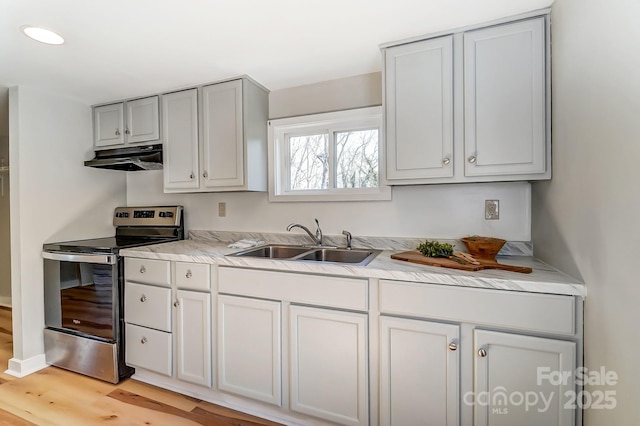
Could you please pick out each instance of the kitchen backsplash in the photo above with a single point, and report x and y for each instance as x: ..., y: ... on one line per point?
x: 511, y: 248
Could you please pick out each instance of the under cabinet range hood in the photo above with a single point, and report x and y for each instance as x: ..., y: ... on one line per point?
x: 148, y: 157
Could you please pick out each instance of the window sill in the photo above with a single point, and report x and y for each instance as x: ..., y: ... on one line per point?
x: 374, y: 194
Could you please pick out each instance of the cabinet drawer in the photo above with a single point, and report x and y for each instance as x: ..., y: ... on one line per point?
x: 147, y: 306
x: 543, y: 313
x: 147, y: 271
x: 148, y: 348
x: 193, y: 276
x: 329, y: 291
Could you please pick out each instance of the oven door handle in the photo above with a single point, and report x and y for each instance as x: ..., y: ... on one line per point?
x: 102, y: 259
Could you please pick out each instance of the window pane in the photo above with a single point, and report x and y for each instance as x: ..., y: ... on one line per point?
x: 308, y: 159
x: 357, y: 159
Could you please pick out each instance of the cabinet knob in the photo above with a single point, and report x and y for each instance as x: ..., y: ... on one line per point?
x: 482, y: 353
x: 453, y: 347
x: 143, y: 269
x: 127, y: 132
x: 117, y: 132
x: 143, y: 340
x: 176, y: 303
x: 446, y: 161
x: 143, y: 298
x: 191, y: 176
x: 189, y: 274
x: 472, y: 159
x: 205, y: 174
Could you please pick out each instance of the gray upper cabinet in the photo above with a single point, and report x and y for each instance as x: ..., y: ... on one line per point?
x: 108, y: 125
x: 143, y: 120
x: 419, y: 109
x: 216, y: 138
x: 223, y: 161
x: 504, y: 91
x: 180, y: 145
x: 472, y: 106
x: 140, y: 125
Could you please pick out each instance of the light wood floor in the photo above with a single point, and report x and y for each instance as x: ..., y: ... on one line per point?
x: 58, y: 397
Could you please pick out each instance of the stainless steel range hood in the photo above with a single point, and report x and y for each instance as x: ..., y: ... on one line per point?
x: 130, y: 159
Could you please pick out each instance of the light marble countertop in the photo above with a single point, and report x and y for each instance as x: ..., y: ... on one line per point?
x: 543, y: 279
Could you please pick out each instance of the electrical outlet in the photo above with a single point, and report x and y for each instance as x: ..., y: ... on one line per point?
x: 222, y: 209
x: 492, y: 209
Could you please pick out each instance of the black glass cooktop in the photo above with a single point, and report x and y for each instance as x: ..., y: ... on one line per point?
x: 104, y: 245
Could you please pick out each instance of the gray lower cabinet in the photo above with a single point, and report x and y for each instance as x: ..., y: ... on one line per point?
x: 168, y: 320
x: 322, y: 349
x: 419, y: 372
x: 328, y: 354
x: 512, y: 384
x: 462, y: 356
x: 249, y: 348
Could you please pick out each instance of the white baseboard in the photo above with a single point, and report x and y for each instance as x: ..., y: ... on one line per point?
x: 5, y: 301
x: 24, y: 367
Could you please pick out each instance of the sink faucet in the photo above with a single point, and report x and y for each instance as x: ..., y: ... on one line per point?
x: 348, y: 235
x: 317, y: 239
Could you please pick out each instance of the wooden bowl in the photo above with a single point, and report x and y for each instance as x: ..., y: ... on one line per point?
x: 483, y: 247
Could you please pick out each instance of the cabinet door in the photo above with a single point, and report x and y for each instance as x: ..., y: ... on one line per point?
x: 504, y: 95
x: 194, y: 337
x: 419, y: 372
x: 511, y: 387
x: 143, y: 121
x: 180, y: 131
x: 249, y: 348
x: 419, y: 109
x: 108, y: 125
x: 328, y: 354
x: 223, y: 147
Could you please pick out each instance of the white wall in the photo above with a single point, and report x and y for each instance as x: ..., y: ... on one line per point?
x: 585, y: 221
x: 435, y: 211
x: 5, y: 243
x: 53, y: 198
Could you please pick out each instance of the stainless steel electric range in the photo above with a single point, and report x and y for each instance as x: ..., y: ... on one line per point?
x: 84, y: 292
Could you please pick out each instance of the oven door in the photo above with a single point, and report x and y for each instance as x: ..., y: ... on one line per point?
x: 81, y: 294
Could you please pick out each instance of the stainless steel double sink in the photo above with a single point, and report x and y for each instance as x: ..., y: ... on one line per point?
x: 357, y: 257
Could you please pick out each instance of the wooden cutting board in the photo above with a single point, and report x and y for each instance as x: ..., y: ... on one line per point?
x: 415, y: 256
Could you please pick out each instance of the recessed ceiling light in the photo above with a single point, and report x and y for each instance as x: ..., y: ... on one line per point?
x: 42, y: 35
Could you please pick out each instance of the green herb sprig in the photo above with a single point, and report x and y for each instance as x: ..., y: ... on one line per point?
x: 435, y: 249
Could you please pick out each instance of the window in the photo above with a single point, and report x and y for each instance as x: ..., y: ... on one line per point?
x: 327, y: 157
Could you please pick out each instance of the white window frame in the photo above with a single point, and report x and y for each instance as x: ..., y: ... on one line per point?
x: 330, y: 122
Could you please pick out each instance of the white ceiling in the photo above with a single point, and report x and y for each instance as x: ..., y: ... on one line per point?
x: 125, y: 48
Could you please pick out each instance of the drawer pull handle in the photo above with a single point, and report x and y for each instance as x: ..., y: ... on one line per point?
x: 143, y: 269
x: 189, y: 274
x: 176, y: 303
x: 482, y: 353
x: 453, y: 346
x: 143, y: 298
x: 143, y: 340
